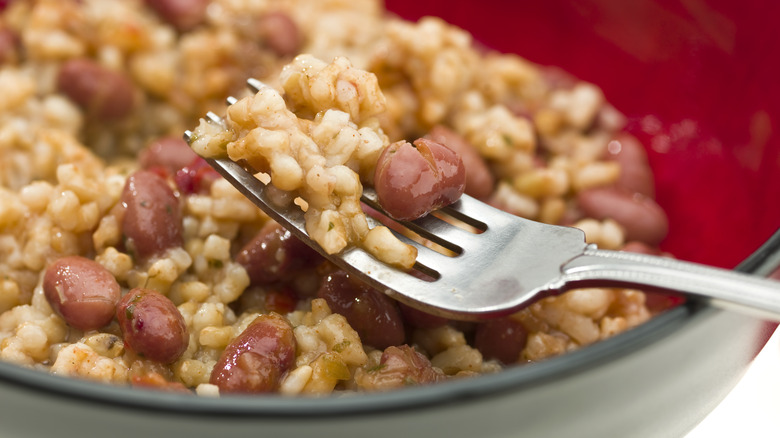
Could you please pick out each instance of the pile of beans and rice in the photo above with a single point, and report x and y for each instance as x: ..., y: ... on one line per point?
x: 124, y: 258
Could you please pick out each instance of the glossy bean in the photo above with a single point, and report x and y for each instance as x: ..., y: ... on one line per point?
x: 151, y: 325
x: 169, y: 153
x: 81, y: 291
x: 151, y: 223
x: 641, y: 218
x: 184, y: 15
x: 480, y: 182
x: 372, y: 314
x: 502, y: 339
x: 102, y: 93
x: 196, y: 177
x: 635, y: 173
x: 279, y: 33
x: 419, y: 319
x: 258, y: 358
x: 275, y: 254
x: 411, y: 181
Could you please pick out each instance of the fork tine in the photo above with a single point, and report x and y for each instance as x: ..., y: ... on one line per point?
x: 213, y: 117
x: 254, y: 84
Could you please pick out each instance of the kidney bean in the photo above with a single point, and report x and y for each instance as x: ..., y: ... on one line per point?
x: 170, y: 153
x: 281, y: 300
x: 373, y: 315
x: 184, y: 15
x: 400, y: 366
x: 279, y: 33
x: 9, y: 41
x: 103, y: 93
x: 81, y: 291
x: 480, y: 182
x: 196, y: 177
x: 641, y: 218
x: 257, y: 359
x: 420, y: 319
x: 275, y: 254
x: 151, y: 223
x: 502, y: 339
x: 635, y: 173
x: 411, y: 181
x: 151, y: 325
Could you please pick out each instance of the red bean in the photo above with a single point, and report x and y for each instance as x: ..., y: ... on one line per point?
x: 411, y: 181
x: 103, y: 93
x: 184, y: 15
x: 170, y: 153
x: 479, y: 180
x: 400, y: 366
x: 152, y: 220
x: 81, y: 291
x: 151, y: 325
x: 275, y: 254
x: 420, y: 319
x: 635, y: 173
x: 641, y: 218
x: 196, y: 177
x: 279, y: 33
x: 9, y: 42
x: 257, y: 359
x: 502, y: 339
x: 373, y: 315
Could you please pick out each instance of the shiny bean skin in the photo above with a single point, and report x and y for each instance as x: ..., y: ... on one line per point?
x: 275, y: 254
x: 152, y: 219
x: 635, y: 173
x: 103, y: 93
x: 419, y: 319
x: 81, y: 291
x: 151, y: 325
x: 184, y: 15
x: 502, y: 339
x: 372, y: 314
x: 257, y: 359
x: 169, y: 153
x: 641, y: 218
x: 280, y: 33
x: 480, y: 182
x: 411, y: 181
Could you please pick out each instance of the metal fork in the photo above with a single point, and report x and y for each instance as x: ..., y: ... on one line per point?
x: 510, y: 261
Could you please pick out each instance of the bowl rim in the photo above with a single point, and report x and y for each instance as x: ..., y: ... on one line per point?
x: 467, y: 390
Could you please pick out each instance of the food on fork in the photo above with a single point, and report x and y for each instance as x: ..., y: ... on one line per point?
x: 96, y: 182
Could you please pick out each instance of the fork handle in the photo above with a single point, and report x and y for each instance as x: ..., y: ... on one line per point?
x: 732, y: 290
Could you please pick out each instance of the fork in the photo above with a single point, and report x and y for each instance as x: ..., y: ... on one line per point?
x: 509, y: 261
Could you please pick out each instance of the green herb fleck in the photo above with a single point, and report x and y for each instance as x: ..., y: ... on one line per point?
x: 330, y: 226
x: 168, y: 209
x: 507, y: 139
x: 129, y: 311
x: 144, y: 204
x: 376, y: 368
x: 215, y: 264
x: 341, y: 346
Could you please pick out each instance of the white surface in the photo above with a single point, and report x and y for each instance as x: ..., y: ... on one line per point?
x: 752, y: 409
